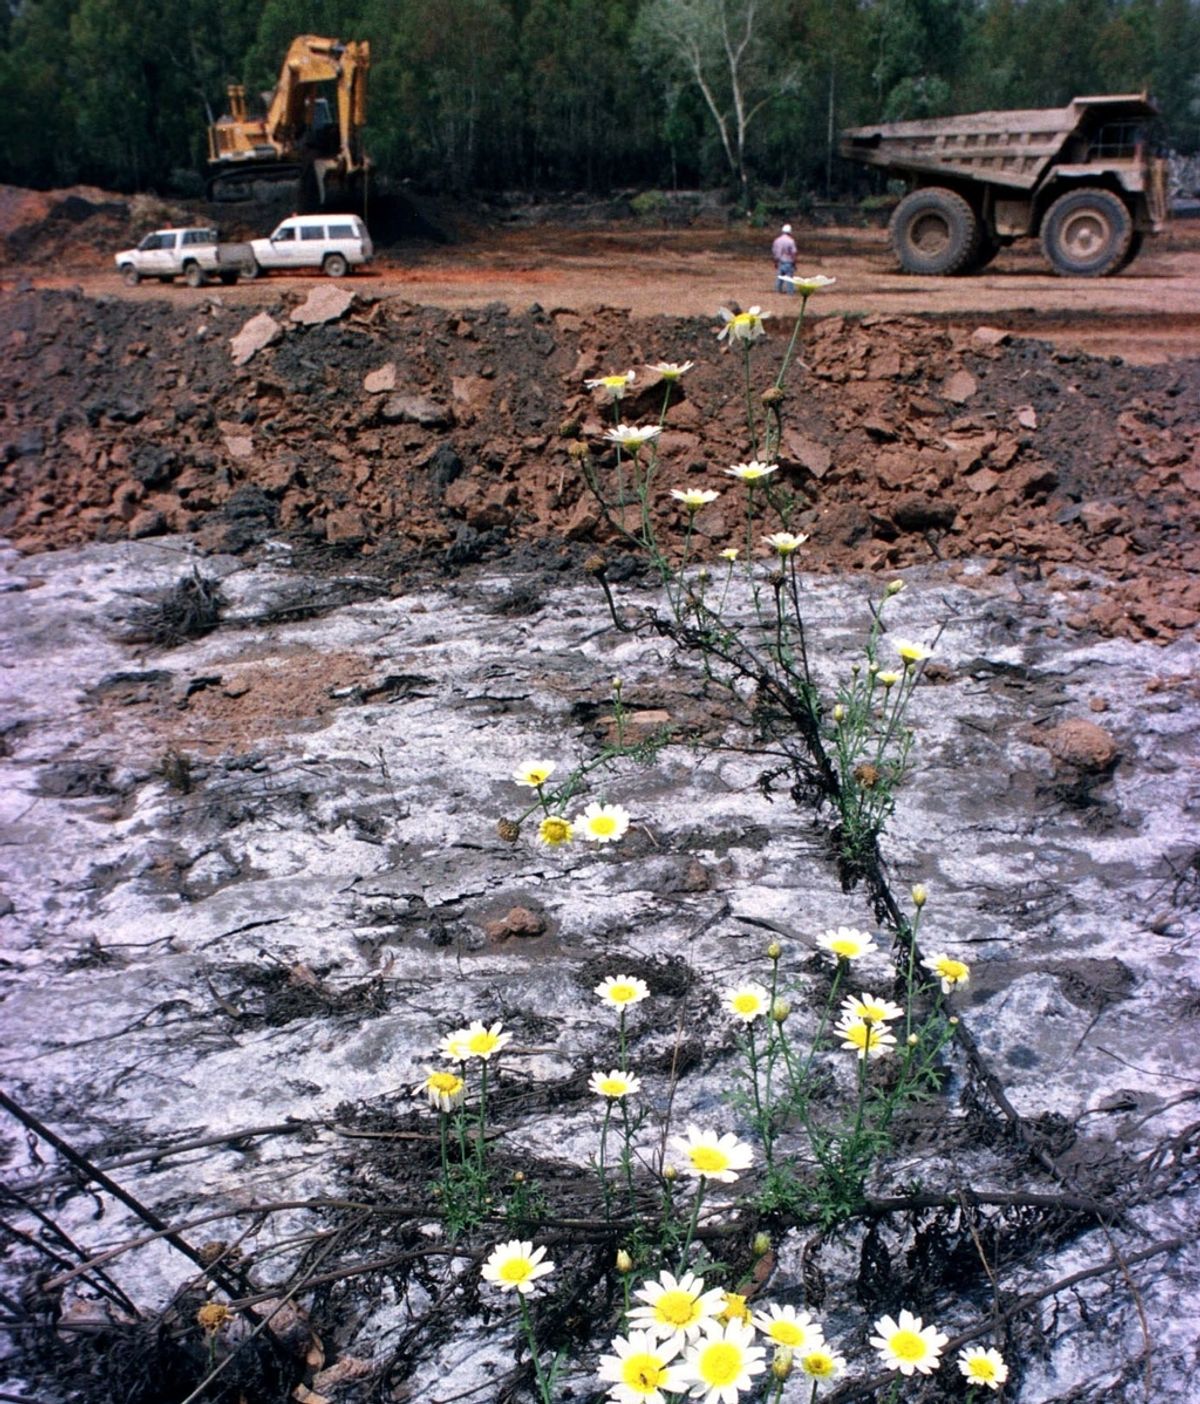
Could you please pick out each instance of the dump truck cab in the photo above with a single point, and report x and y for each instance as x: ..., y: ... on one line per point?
x: 1087, y: 179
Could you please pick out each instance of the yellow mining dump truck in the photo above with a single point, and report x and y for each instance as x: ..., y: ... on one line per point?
x: 1084, y: 178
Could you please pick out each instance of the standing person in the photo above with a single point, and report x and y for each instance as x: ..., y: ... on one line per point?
x: 783, y: 251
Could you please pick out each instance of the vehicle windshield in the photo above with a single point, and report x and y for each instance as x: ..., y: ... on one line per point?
x: 151, y: 241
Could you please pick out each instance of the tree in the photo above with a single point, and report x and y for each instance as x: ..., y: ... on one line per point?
x: 734, y: 53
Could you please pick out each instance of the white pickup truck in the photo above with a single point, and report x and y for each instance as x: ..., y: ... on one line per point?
x: 194, y: 253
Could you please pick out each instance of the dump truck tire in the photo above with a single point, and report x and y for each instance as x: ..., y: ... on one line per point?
x: 193, y: 275
x: 1135, y: 248
x: 249, y: 269
x: 1086, y: 233
x: 934, y: 231
x: 335, y: 266
x: 130, y: 276
x: 985, y: 251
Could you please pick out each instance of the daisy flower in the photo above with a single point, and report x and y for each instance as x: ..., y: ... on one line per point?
x: 822, y: 1363
x: 870, y: 1009
x: 747, y: 1001
x: 735, y: 1308
x: 889, y: 679
x: 641, y: 1369
x: 622, y: 990
x: 534, y: 773
x: 694, y: 498
x: 784, y: 543
x: 907, y: 1346
x: 723, y: 1362
x: 554, y: 830
x: 445, y: 1090
x: 786, y: 1326
x: 866, y: 1039
x: 614, y: 385
x: 711, y: 1156
x: 629, y: 437
x: 949, y: 971
x: 846, y: 943
x: 615, y: 1084
x: 676, y: 1307
x: 809, y: 284
x: 602, y: 823
x: 671, y: 370
x: 911, y: 652
x: 474, y: 1042
x: 751, y: 472
x: 742, y: 326
x: 515, y: 1266
x: 730, y: 553
x: 983, y: 1367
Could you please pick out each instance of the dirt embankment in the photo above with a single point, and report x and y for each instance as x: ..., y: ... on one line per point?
x: 400, y: 430
x: 389, y: 429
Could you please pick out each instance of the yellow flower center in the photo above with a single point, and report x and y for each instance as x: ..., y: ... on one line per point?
x: 603, y: 824
x: 555, y: 830
x: 709, y: 1160
x: 745, y: 1004
x: 907, y: 1345
x: 481, y: 1043
x: 735, y: 1308
x: 676, y: 1308
x: 818, y: 1365
x: 642, y: 1372
x: 720, y: 1363
x: 445, y: 1082
x: 952, y: 970
x: 622, y: 994
x: 612, y: 1087
x: 786, y: 1333
x: 515, y: 1270
x: 982, y: 1370
x: 848, y: 949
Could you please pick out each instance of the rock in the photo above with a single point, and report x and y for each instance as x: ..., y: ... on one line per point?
x: 1081, y: 744
x: 989, y: 336
x: 959, y: 387
x: 517, y: 921
x: 812, y: 455
x: 380, y: 381
x: 417, y: 409
x: 323, y: 304
x: 916, y: 512
x: 262, y: 330
x: 346, y: 527
x: 147, y: 523
x: 1101, y: 517
x: 1027, y: 417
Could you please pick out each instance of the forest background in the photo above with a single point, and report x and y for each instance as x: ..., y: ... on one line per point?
x: 476, y: 96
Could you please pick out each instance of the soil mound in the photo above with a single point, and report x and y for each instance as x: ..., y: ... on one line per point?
x: 379, y: 428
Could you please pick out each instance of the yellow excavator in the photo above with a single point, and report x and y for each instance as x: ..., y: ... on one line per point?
x: 311, y: 133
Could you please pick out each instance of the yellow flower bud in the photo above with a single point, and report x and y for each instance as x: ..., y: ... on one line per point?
x: 839, y: 714
x: 780, y: 1010
x: 624, y: 1262
x: 919, y: 895
x: 670, y: 1174
x: 212, y: 1316
x: 784, y: 1362
x: 894, y: 587
x: 774, y: 951
x: 913, y: 1040
x: 761, y: 1245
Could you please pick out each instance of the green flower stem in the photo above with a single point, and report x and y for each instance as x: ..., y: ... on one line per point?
x: 445, y: 1155
x: 481, y: 1147
x: 621, y: 1037
x: 783, y: 369
x: 794, y: 588
x: 695, y: 1219
x: 604, y: 1189
x: 527, y: 1322
x: 833, y: 990
x: 750, y: 402
x: 761, y: 1113
x: 910, y: 973
x: 627, y: 1159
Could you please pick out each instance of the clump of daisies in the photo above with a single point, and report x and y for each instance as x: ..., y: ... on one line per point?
x: 597, y: 822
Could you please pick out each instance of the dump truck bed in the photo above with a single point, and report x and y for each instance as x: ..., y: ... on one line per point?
x: 1011, y: 148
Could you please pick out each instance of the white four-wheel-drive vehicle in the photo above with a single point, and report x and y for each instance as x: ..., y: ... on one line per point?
x: 192, y: 253
x: 333, y: 243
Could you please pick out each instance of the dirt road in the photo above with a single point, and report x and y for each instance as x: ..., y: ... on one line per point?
x: 1148, y: 314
